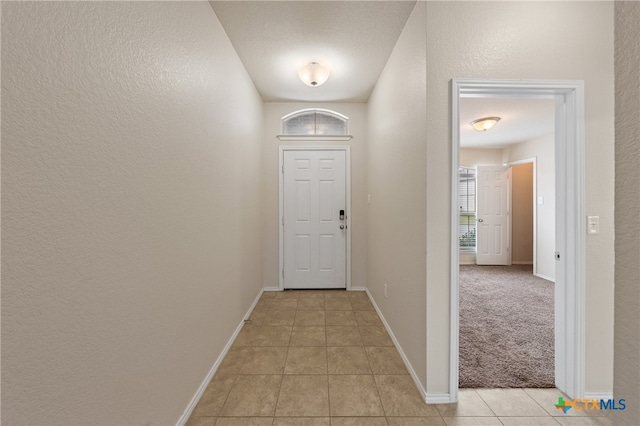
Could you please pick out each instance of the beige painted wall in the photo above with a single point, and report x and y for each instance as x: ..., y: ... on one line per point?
x: 397, y: 173
x: 522, y: 213
x: 474, y: 157
x: 273, y: 112
x: 131, y: 158
x: 627, y: 274
x: 529, y: 40
x: 543, y: 150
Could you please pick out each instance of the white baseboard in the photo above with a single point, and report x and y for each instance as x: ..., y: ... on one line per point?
x: 438, y: 398
x: 544, y: 277
x: 248, y: 314
x: 522, y: 262
x: 353, y: 288
x: 214, y: 368
x: 598, y: 395
x: 412, y: 372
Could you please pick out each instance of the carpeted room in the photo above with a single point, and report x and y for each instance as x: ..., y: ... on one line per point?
x: 506, y: 313
x: 506, y: 328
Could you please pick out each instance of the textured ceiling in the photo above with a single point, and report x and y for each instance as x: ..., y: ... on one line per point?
x: 522, y: 119
x: 274, y: 39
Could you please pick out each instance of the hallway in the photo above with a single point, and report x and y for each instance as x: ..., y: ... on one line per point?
x: 321, y: 354
x: 141, y: 206
x: 313, y: 357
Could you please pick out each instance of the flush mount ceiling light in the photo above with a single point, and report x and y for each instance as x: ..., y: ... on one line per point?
x: 313, y: 74
x: 485, y: 123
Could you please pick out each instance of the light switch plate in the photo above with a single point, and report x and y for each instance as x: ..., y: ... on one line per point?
x: 593, y: 225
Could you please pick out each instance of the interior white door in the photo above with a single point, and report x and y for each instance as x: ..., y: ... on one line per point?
x: 492, y: 216
x: 314, y: 231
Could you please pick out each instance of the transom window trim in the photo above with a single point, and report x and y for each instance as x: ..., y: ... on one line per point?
x: 315, y: 124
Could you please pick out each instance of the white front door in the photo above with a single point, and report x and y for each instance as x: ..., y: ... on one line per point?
x: 314, y: 193
x: 492, y: 216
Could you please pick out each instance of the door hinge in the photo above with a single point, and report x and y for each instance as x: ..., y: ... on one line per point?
x: 282, y: 220
x: 282, y: 273
x: 283, y: 169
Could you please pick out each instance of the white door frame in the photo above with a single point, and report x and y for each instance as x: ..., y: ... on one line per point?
x: 569, y: 143
x: 281, y: 150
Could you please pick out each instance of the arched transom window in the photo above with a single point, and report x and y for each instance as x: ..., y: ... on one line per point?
x: 316, y: 124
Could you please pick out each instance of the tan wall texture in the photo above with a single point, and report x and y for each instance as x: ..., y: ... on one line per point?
x: 130, y: 208
x: 627, y: 273
x: 522, y: 213
x: 522, y: 40
x: 543, y: 149
x: 397, y: 173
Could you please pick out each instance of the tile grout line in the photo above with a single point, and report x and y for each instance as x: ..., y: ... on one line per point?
x: 487, y: 404
x: 326, y: 352
x: 537, y: 403
x: 244, y: 361
x: 275, y: 408
x: 372, y: 376
x: 235, y: 380
x: 327, y: 375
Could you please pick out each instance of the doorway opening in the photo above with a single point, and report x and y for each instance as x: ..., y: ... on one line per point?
x: 568, y: 245
x: 506, y: 310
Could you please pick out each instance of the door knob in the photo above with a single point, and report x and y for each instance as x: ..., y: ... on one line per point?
x: 341, y: 226
x: 480, y: 220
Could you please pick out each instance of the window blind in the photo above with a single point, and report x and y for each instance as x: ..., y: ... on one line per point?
x: 467, y: 206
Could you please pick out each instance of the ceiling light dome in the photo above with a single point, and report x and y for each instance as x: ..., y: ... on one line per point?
x: 313, y: 74
x: 485, y: 123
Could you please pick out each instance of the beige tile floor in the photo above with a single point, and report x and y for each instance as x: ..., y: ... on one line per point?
x: 323, y: 358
